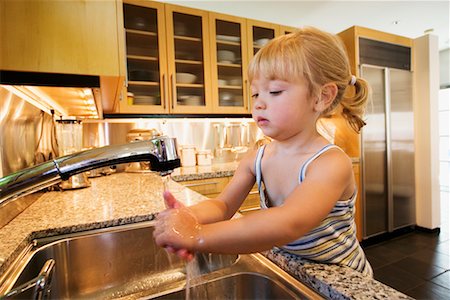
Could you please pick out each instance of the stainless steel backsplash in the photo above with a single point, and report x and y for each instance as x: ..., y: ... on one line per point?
x: 25, y: 134
x: 227, y: 138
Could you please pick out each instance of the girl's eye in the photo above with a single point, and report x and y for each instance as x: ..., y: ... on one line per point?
x: 255, y: 96
x: 276, y: 92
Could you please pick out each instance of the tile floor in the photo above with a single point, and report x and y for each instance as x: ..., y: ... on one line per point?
x: 417, y: 263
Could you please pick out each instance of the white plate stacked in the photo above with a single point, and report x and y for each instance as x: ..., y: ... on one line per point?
x: 228, y: 38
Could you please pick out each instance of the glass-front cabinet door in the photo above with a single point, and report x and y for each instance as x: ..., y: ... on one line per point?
x: 146, y: 58
x: 229, y: 64
x: 188, y: 60
x: 260, y: 33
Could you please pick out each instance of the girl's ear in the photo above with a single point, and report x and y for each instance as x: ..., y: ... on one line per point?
x: 327, y: 95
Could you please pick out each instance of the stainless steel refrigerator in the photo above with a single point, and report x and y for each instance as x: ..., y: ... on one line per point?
x: 387, y: 148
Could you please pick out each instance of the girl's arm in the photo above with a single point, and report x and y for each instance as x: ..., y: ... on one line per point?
x: 328, y: 178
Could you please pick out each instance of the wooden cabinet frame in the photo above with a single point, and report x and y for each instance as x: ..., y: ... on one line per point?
x: 174, y: 107
x: 125, y: 107
x: 246, y: 108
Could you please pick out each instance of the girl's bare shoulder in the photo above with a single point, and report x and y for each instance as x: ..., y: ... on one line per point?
x: 248, y: 161
x: 333, y: 161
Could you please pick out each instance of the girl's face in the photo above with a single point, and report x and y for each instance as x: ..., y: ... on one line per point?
x: 282, y: 109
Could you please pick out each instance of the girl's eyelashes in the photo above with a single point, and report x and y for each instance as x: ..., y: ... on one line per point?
x: 275, y: 92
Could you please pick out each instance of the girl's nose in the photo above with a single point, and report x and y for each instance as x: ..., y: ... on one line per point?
x: 258, y: 104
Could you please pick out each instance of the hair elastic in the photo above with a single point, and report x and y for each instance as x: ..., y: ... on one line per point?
x: 353, y: 80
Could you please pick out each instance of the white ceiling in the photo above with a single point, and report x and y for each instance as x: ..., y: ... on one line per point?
x: 413, y: 18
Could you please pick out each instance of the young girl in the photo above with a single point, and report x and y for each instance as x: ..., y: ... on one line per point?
x: 306, y: 185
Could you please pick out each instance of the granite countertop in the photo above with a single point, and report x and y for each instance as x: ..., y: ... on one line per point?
x: 204, y: 172
x: 125, y: 198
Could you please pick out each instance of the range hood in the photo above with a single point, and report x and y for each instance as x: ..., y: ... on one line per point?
x: 65, y: 94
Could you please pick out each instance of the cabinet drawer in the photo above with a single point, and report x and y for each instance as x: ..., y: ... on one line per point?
x: 208, y: 187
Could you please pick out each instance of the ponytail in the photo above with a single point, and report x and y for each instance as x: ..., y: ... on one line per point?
x: 353, y: 105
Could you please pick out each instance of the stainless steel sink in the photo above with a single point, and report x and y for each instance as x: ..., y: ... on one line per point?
x: 240, y: 286
x: 124, y: 262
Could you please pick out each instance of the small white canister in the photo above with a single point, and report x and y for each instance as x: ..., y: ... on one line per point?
x: 187, y: 155
x: 204, y: 157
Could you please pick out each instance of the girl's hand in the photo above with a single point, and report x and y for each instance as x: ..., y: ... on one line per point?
x: 176, y: 228
x: 171, y: 201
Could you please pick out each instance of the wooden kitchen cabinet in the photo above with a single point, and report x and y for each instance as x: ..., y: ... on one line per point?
x: 146, y: 58
x: 229, y: 61
x: 71, y: 37
x: 168, y: 59
x: 188, y: 50
x: 213, y: 49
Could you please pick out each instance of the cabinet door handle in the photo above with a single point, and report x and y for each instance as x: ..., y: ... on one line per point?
x: 164, y: 98
x: 174, y: 90
x: 253, y: 193
x: 248, y: 95
x: 200, y: 184
x: 125, y: 56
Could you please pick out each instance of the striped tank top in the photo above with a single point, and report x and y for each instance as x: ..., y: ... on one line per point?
x: 334, y: 240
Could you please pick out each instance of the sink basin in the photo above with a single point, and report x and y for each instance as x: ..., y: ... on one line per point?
x: 124, y: 262
x: 108, y: 263
x: 239, y: 286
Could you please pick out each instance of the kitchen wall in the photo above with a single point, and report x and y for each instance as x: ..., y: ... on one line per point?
x: 426, y: 135
x: 25, y: 134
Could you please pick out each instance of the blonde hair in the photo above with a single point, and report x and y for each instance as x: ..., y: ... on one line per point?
x: 319, y: 58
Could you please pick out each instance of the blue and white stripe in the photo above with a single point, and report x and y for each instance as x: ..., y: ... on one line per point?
x: 334, y: 240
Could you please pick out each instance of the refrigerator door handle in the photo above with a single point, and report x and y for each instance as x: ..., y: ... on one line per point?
x: 390, y: 196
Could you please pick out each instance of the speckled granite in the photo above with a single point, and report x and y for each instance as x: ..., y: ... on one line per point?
x: 333, y: 281
x: 125, y: 198
x: 204, y: 172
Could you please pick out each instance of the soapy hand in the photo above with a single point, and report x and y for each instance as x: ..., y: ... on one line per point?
x: 176, y: 228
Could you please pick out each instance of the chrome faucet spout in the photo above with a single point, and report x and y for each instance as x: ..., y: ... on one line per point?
x: 161, y: 152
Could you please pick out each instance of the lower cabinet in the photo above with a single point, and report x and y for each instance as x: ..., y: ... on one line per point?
x: 212, y: 187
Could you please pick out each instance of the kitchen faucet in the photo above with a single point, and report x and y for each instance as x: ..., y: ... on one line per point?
x: 160, y: 151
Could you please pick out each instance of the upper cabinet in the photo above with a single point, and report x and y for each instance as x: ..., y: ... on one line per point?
x: 145, y: 58
x: 72, y: 37
x: 229, y: 64
x: 181, y: 60
x: 260, y: 33
x: 189, y: 60
x: 167, y: 57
